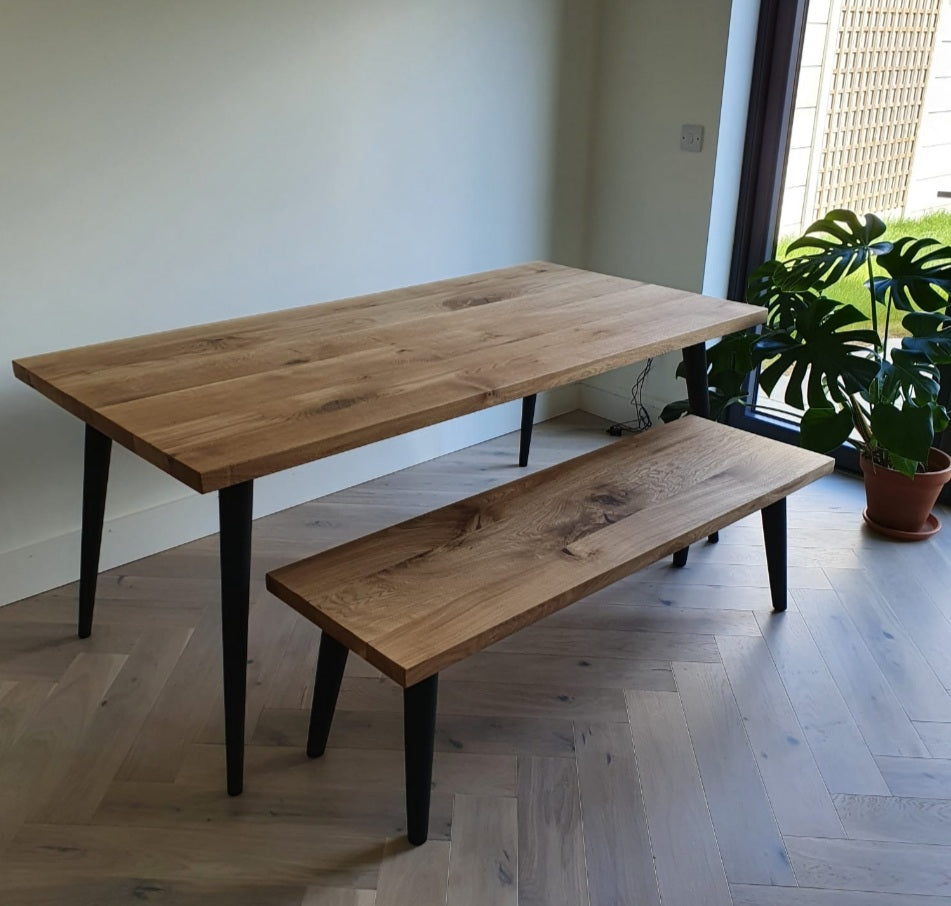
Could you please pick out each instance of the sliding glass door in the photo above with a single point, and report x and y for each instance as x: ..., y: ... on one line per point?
x: 848, y: 109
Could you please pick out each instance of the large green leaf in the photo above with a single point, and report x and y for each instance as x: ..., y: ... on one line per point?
x: 729, y: 362
x: 926, y: 323
x: 939, y: 417
x: 823, y: 429
x: 773, y: 287
x: 919, y: 275
x: 836, y: 245
x: 731, y: 359
x: 732, y: 354
x: 930, y: 336
x: 672, y: 411
x: 903, y: 464
x: 907, y: 431
x: 909, y: 374
x: 821, y: 351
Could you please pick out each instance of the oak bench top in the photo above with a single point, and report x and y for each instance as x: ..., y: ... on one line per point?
x: 416, y: 597
x: 223, y: 403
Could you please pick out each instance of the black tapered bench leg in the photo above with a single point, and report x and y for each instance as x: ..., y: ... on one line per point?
x: 234, y: 514
x: 331, y: 660
x: 774, y: 537
x: 680, y: 557
x: 419, y: 731
x: 528, y: 421
x: 98, y: 450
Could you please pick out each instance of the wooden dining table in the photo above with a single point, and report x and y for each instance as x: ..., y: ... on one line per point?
x: 219, y: 405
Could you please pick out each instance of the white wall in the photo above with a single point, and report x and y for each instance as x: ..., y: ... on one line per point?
x: 176, y: 162
x: 661, y: 64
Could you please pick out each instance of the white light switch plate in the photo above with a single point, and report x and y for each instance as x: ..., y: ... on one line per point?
x: 691, y: 137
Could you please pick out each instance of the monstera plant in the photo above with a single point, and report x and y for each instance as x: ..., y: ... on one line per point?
x: 855, y: 382
x: 843, y: 373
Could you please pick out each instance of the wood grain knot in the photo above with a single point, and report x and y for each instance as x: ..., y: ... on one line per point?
x: 461, y: 302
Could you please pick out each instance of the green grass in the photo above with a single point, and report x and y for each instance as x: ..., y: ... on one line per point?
x: 934, y: 226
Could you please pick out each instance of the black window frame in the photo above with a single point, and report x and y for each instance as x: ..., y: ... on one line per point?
x: 777, y: 56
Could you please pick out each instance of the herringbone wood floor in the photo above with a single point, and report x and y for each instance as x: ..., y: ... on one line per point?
x: 667, y: 740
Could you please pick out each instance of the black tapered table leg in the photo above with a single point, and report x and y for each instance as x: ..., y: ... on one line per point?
x: 698, y: 396
x: 331, y: 659
x: 528, y: 421
x: 695, y: 366
x: 97, y: 453
x: 774, y: 537
x: 234, y: 513
x: 419, y: 731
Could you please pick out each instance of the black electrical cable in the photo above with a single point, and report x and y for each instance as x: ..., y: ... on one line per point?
x: 642, y: 420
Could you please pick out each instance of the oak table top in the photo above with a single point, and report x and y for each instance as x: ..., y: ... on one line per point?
x: 224, y: 403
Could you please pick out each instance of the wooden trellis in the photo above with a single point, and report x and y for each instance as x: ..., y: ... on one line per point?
x: 882, y: 59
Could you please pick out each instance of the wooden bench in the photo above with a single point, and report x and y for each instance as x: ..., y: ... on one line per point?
x: 419, y: 596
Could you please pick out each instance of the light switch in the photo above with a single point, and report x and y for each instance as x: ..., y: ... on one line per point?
x: 691, y: 137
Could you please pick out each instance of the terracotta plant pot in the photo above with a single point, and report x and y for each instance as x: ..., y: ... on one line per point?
x: 899, y: 506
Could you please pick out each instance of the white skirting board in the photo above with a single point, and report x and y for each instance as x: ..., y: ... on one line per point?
x: 42, y: 565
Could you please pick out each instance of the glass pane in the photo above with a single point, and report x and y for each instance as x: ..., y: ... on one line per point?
x: 871, y: 128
